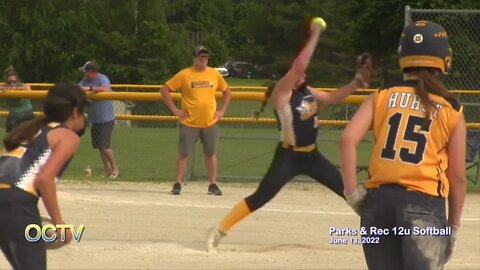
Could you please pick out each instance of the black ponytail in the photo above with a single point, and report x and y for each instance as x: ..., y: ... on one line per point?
x: 429, y: 83
x: 268, y: 94
x: 25, y: 131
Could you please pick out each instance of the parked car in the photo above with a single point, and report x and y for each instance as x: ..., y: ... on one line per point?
x: 240, y: 69
x: 223, y: 70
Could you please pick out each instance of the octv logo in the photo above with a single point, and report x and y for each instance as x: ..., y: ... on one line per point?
x: 48, y: 232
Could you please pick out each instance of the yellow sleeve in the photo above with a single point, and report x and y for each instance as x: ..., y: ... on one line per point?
x: 376, y: 96
x: 222, y: 84
x: 175, y: 83
x: 455, y: 115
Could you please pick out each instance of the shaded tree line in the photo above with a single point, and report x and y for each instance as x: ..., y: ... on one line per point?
x: 147, y: 41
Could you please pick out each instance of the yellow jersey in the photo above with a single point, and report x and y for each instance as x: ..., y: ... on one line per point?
x: 409, y: 149
x: 198, y: 89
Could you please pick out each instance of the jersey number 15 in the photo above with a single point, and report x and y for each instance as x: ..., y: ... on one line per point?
x: 389, y: 152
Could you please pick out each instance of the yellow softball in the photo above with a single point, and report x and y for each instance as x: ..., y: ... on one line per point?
x: 321, y: 22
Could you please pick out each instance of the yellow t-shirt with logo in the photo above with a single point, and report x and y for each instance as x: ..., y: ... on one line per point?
x: 198, y: 90
x: 409, y: 151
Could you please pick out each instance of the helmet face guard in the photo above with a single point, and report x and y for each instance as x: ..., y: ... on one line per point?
x: 424, y: 44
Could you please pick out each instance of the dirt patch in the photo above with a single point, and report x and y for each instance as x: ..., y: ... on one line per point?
x: 139, y: 226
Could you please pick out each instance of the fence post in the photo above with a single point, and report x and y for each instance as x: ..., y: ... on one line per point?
x: 406, y: 21
x: 407, y: 15
x: 243, y: 114
x: 346, y: 112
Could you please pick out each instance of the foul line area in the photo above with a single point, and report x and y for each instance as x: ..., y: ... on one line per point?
x: 317, y: 212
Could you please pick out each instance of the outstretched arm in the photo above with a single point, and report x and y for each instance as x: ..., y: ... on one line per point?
x: 362, y: 79
x: 282, y: 91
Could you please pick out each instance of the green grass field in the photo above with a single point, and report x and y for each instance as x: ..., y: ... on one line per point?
x: 245, y: 150
x: 246, y: 82
x: 147, y: 154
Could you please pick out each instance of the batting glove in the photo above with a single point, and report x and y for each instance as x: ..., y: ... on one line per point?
x: 355, y: 200
x: 451, y: 243
x: 55, y: 244
x: 364, y: 65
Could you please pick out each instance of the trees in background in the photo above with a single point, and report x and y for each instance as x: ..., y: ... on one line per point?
x: 146, y: 41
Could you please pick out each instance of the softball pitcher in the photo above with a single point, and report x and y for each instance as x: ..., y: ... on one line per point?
x: 36, y: 153
x: 418, y: 161
x: 297, y: 106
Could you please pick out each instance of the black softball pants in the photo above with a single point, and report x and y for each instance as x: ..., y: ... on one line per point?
x: 18, y: 209
x: 287, y: 164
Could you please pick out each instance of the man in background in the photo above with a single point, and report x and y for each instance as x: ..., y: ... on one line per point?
x: 198, y: 115
x: 102, y: 116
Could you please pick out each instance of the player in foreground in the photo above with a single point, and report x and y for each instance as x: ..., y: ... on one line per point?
x: 418, y: 159
x: 36, y: 153
x: 297, y: 106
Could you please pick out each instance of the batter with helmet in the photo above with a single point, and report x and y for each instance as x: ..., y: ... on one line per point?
x: 418, y: 161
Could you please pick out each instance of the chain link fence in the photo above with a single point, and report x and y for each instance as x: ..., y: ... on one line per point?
x: 246, y: 150
x: 463, y: 29
x: 145, y: 148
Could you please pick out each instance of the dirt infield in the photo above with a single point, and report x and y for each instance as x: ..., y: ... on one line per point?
x: 139, y: 226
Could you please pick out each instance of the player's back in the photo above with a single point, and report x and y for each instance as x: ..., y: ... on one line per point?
x: 20, y: 166
x: 410, y: 150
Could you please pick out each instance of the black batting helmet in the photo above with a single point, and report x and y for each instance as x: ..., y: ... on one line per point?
x: 424, y: 44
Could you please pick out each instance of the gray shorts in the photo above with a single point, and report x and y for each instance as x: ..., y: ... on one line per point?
x: 102, y: 134
x: 399, y: 211
x: 188, y: 136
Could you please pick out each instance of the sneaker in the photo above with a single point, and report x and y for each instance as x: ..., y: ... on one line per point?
x: 214, y: 190
x: 214, y: 236
x: 177, y: 189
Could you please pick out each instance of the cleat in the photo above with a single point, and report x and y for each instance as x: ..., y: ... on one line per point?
x: 213, y: 189
x: 177, y: 189
x: 214, y: 236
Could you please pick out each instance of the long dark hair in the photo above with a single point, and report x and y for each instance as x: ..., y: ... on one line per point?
x: 429, y: 83
x: 58, y: 106
x: 268, y: 94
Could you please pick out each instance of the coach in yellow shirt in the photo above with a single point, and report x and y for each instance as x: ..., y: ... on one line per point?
x: 198, y: 115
